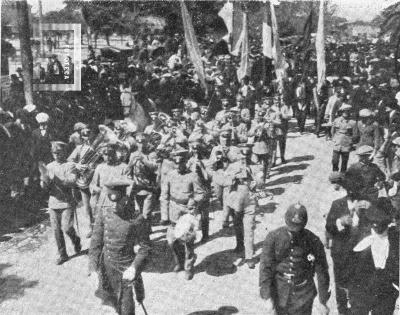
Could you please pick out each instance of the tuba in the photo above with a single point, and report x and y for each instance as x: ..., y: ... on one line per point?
x: 92, y: 155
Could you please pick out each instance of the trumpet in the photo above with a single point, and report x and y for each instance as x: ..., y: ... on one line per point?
x: 93, y: 154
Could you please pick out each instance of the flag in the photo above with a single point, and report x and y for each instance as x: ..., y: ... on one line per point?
x: 244, y: 58
x: 226, y: 13
x: 267, y: 33
x: 320, y: 47
x: 192, y: 45
x: 237, y: 28
x: 280, y: 69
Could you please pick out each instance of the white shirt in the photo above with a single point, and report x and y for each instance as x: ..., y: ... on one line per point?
x: 379, y: 247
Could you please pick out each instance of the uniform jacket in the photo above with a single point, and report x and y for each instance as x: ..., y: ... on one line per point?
x: 117, y: 230
x: 178, y: 189
x: 343, y: 133
x: 301, y: 257
x: 62, y: 178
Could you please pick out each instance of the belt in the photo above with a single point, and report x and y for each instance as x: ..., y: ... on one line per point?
x: 181, y: 202
x: 290, y: 278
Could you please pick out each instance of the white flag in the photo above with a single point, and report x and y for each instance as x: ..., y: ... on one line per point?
x: 320, y: 47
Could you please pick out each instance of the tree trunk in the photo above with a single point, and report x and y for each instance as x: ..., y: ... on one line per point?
x: 41, y: 29
x: 26, y: 52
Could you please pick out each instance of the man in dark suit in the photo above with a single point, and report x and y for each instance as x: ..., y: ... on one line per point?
x: 344, y: 220
x: 374, y: 266
x: 291, y: 255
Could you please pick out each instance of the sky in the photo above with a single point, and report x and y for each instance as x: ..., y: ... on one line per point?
x: 353, y: 10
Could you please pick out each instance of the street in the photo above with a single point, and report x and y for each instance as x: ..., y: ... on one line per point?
x: 31, y: 283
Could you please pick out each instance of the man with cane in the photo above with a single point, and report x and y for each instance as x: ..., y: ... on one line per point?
x: 118, y: 228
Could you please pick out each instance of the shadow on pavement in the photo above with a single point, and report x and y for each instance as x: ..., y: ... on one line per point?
x: 161, y: 258
x: 17, y: 214
x: 223, y: 310
x: 296, y: 179
x: 302, y: 158
x: 218, y: 264
x: 268, y: 208
x: 12, y: 286
x: 290, y: 168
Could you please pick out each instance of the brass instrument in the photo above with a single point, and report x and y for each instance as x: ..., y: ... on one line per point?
x: 92, y: 155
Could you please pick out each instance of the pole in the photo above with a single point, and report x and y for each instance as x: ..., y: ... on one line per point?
x: 26, y: 52
x: 41, y: 28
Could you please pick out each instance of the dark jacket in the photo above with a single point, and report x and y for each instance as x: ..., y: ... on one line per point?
x: 301, y: 257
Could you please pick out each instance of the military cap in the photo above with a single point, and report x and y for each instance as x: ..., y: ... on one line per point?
x: 79, y: 126
x: 203, y: 109
x: 365, y: 112
x: 176, y: 110
x: 224, y: 99
x: 58, y: 146
x: 29, y: 108
x: 179, y: 151
x: 364, y: 150
x: 296, y: 217
x: 110, y: 148
x: 345, y: 107
x: 235, y: 110
x: 225, y: 133
x: 42, y: 118
x: 153, y: 113
x: 396, y: 141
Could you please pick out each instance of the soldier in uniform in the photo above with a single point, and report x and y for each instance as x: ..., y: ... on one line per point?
x: 117, y: 230
x: 343, y: 131
x: 180, y: 194
x: 76, y: 157
x: 58, y: 179
x: 176, y: 115
x: 103, y: 173
x: 223, y: 153
x: 143, y: 171
x: 242, y: 178
x: 372, y: 178
x: 197, y: 165
x: 290, y: 256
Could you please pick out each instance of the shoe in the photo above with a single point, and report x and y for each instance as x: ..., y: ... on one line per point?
x: 60, y: 260
x: 78, y: 246
x: 188, y: 275
x: 164, y: 222
x: 251, y: 264
x: 283, y: 161
x: 177, y: 268
x: 225, y: 225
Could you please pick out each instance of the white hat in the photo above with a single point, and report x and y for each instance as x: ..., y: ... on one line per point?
x: 345, y: 107
x: 42, y: 118
x: 30, y: 108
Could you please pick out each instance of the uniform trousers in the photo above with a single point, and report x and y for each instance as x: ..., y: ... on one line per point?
x: 120, y: 291
x: 62, y: 221
x: 145, y: 203
x: 244, y: 214
x: 164, y: 203
x: 203, y: 207
x: 336, y: 159
x: 182, y: 252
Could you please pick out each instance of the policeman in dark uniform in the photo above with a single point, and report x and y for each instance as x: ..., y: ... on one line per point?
x: 117, y: 229
x: 291, y: 255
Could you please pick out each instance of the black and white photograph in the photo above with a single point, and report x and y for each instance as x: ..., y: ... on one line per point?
x: 200, y: 157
